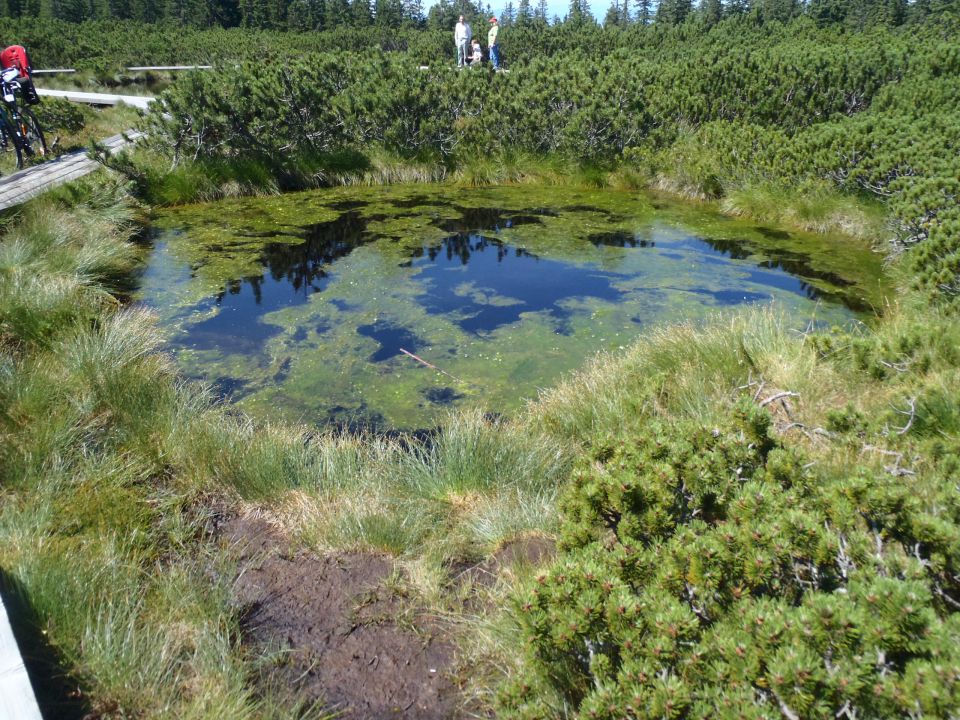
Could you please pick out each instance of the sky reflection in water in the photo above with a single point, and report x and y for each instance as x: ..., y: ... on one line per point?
x: 306, y: 320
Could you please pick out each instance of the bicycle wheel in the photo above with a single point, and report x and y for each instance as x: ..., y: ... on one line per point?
x: 12, y: 140
x: 34, y: 143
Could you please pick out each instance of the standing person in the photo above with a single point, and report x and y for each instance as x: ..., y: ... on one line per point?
x: 461, y: 36
x: 492, y: 43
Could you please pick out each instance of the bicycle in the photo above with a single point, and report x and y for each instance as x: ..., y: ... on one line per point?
x: 19, y: 127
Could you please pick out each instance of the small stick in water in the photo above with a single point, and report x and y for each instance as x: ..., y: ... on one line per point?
x: 424, y: 362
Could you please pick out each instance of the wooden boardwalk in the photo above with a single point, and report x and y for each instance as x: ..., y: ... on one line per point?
x: 138, y: 101
x: 17, y: 701
x: 32, y: 181
x: 132, y: 68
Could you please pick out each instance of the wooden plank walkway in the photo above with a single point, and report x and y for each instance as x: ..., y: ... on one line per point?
x: 32, y: 181
x: 139, y: 101
x: 168, y: 68
x: 17, y: 701
x: 132, y: 68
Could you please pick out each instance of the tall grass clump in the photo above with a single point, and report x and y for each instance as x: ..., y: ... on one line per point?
x: 682, y: 368
x: 493, y: 477
x: 258, y: 461
x: 474, y: 484
x: 818, y: 208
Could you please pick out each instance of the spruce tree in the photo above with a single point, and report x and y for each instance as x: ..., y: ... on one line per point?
x: 225, y: 13
x: 437, y: 15
x: 612, y: 18
x: 674, y: 12
x: 337, y: 14
x: 317, y: 10
x: 863, y: 13
x: 827, y: 12
x: 524, y: 13
x: 277, y: 14
x: 413, y: 13
x: 305, y: 15
x: 711, y: 11
x: 644, y: 11
x: 253, y: 13
x: 540, y: 14
x: 72, y: 10
x: 37, y: 8
x: 106, y: 9
x: 777, y: 10
x: 360, y: 15
x: 388, y: 13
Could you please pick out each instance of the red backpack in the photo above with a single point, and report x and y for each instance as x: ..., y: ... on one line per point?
x: 16, y: 56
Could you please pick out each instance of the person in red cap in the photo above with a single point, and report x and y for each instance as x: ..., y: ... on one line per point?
x: 492, y: 43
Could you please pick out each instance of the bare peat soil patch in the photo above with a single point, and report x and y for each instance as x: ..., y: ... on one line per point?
x: 336, y: 631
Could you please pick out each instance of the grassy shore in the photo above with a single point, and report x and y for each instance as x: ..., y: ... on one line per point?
x: 112, y: 468
x: 815, y: 208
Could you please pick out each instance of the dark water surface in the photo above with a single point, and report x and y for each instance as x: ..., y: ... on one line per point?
x: 302, y: 306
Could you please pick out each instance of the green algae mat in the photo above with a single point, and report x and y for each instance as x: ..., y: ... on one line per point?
x: 383, y: 307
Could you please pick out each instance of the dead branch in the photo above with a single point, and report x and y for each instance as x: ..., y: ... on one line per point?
x: 883, y: 451
x: 756, y: 395
x: 911, y: 413
x: 847, y: 711
x: 844, y: 563
x: 946, y: 598
x: 899, y: 367
x: 786, y: 408
x: 434, y: 367
x: 785, y: 709
x: 778, y: 396
x: 896, y: 470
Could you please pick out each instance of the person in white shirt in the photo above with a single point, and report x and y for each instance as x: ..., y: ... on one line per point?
x: 461, y: 36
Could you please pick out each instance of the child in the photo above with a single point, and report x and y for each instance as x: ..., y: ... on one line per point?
x: 476, y: 56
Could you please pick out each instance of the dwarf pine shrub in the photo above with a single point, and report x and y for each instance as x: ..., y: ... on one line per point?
x: 713, y: 572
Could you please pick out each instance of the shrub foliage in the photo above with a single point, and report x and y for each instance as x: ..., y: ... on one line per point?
x: 713, y: 572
